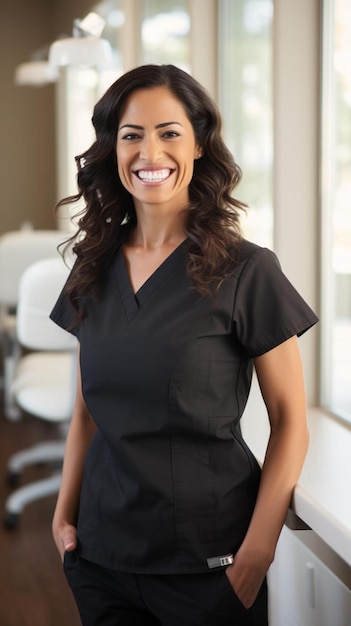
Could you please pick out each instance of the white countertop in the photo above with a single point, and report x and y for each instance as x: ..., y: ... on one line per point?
x: 322, y: 498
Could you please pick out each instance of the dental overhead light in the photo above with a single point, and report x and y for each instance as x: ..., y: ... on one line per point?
x: 36, y: 72
x: 85, y: 48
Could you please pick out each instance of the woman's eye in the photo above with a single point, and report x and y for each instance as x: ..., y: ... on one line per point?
x: 170, y: 134
x: 130, y: 137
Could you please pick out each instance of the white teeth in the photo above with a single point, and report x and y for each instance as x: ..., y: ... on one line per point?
x: 153, y: 175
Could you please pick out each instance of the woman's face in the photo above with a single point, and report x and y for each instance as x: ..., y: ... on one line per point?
x: 156, y: 148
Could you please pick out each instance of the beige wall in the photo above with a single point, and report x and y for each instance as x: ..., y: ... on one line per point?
x: 27, y: 114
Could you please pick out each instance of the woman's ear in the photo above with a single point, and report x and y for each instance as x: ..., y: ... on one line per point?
x: 198, y: 153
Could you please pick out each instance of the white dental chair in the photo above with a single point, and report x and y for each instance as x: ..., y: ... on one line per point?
x: 18, y: 250
x: 44, y: 380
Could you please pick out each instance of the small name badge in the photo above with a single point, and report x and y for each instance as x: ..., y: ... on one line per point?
x: 220, y: 561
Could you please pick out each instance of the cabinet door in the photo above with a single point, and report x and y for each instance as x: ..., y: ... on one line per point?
x: 303, y: 591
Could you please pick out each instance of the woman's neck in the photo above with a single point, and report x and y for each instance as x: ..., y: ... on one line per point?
x: 153, y: 232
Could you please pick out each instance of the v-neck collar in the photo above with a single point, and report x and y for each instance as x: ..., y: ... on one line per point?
x: 134, y: 301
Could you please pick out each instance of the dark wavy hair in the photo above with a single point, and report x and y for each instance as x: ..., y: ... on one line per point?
x: 212, y: 224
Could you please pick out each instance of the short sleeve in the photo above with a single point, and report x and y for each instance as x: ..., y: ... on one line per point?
x: 268, y: 310
x: 64, y: 315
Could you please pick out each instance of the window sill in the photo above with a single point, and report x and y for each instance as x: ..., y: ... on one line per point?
x: 322, y: 495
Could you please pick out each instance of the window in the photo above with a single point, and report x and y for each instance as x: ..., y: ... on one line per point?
x: 147, y: 31
x: 165, y: 30
x: 245, y: 99
x: 336, y: 211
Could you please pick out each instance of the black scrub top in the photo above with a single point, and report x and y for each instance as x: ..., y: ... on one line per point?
x: 168, y: 481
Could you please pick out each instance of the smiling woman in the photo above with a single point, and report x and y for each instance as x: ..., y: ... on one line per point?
x: 164, y: 515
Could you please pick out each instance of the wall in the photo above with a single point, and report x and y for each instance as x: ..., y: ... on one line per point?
x: 27, y: 119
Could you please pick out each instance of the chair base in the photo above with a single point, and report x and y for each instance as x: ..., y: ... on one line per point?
x: 27, y: 494
x: 44, y: 452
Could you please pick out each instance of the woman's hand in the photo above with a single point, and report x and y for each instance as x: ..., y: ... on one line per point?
x: 79, y: 436
x: 65, y: 537
x: 280, y: 376
x: 246, y: 575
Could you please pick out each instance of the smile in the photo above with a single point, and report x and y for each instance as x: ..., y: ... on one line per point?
x: 154, y: 176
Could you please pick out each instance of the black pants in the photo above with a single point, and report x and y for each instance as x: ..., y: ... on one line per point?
x: 108, y: 598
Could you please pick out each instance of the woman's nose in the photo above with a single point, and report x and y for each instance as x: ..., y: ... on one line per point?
x: 150, y: 150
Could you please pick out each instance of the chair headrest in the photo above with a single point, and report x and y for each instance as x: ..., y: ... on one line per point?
x: 40, y: 285
x: 18, y: 250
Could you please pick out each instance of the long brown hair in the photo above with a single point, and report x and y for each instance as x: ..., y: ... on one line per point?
x: 213, y: 217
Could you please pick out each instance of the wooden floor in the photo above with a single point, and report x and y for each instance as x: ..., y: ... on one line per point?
x: 33, y: 589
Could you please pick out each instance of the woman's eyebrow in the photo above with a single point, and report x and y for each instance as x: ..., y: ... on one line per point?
x: 168, y: 124
x: 137, y: 127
